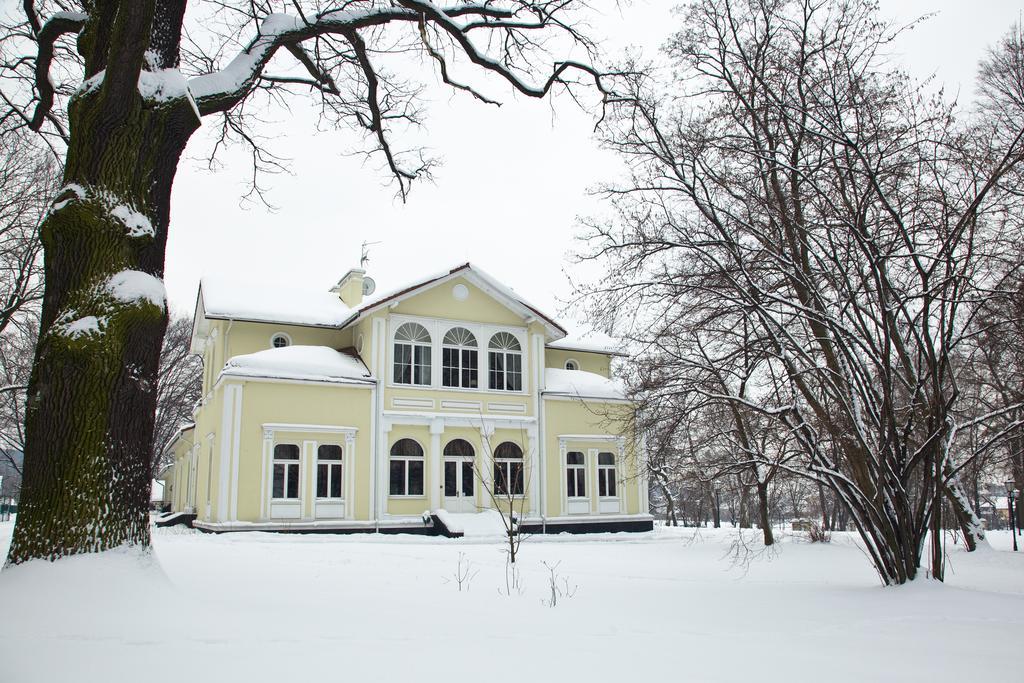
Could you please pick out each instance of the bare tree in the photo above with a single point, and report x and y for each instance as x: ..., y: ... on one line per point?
x: 26, y: 186
x: 118, y: 87
x: 794, y: 184
x: 179, y: 388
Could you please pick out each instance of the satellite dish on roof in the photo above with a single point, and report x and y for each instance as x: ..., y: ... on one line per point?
x: 368, y: 286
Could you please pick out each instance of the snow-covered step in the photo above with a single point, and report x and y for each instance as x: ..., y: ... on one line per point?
x: 485, y: 524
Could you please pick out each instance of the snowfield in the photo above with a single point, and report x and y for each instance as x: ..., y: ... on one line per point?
x: 669, y: 605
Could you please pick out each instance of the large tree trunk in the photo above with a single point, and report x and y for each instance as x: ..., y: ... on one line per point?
x: 91, y: 397
x: 762, y: 511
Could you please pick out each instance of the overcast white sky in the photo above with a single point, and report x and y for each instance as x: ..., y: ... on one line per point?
x: 513, y: 183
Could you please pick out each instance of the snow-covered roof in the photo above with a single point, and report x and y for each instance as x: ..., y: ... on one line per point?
x: 591, y: 342
x: 271, y: 302
x: 312, y: 363
x: 581, y: 384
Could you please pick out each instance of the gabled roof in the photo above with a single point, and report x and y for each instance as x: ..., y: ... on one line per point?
x: 476, y: 275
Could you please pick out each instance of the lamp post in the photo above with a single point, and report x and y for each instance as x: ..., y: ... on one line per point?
x: 1010, y: 490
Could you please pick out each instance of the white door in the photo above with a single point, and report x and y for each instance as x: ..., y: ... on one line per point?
x: 459, y: 485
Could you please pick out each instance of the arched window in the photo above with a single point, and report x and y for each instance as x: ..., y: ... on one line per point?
x: 406, y: 468
x: 508, y: 469
x: 459, y: 359
x: 280, y: 340
x: 606, y: 485
x: 412, y: 355
x: 286, y: 471
x: 505, y: 357
x: 458, y: 468
x: 571, y: 365
x: 328, y: 471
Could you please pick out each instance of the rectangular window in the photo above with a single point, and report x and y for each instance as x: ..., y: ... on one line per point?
x: 513, y: 372
x: 506, y: 372
x: 459, y: 368
x: 406, y: 478
x: 415, y: 477
x: 421, y: 366
x: 496, y: 376
x: 329, y: 471
x: 450, y: 367
x: 606, y: 475
x: 398, y: 469
x: 575, y: 475
x: 403, y: 363
x: 506, y: 471
x: 286, y: 471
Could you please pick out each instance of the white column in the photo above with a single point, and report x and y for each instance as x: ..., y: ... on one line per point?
x: 307, y: 480
x: 435, y: 458
x: 349, y: 462
x: 562, y: 500
x: 535, y: 490
x: 266, y: 478
x: 382, y: 468
x: 226, y: 441
x: 591, y: 475
x: 486, y: 459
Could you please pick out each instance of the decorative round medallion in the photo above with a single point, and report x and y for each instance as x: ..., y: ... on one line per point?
x: 460, y: 292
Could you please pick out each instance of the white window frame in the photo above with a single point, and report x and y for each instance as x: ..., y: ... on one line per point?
x: 287, y: 463
x: 407, y: 459
x: 287, y: 338
x: 505, y: 354
x: 436, y: 327
x: 606, y: 473
x: 505, y: 464
x: 579, y: 475
x: 331, y: 465
x: 575, y: 363
x: 432, y: 336
x: 460, y: 357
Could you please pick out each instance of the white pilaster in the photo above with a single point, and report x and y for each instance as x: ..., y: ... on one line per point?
x: 348, y: 473
x: 435, y: 459
x: 534, y: 490
x: 307, y: 479
x: 266, y: 478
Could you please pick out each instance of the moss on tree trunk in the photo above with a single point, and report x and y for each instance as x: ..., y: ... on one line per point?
x: 91, y: 397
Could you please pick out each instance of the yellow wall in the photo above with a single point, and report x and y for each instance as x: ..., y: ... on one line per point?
x: 598, y: 363
x: 306, y: 404
x: 577, y: 418
x: 478, y: 307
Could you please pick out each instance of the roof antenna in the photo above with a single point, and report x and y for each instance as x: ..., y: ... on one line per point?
x: 365, y: 257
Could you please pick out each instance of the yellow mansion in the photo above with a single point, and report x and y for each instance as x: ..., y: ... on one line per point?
x: 340, y: 410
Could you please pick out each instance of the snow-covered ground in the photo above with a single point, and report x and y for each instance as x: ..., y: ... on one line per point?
x: 668, y: 605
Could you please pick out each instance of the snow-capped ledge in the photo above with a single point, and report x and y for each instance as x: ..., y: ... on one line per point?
x: 303, y: 363
x: 581, y: 384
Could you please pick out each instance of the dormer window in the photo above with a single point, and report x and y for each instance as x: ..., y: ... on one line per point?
x: 459, y: 359
x: 280, y: 340
x: 505, y: 357
x: 412, y: 355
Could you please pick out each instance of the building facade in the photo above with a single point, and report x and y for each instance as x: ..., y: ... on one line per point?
x: 344, y: 411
